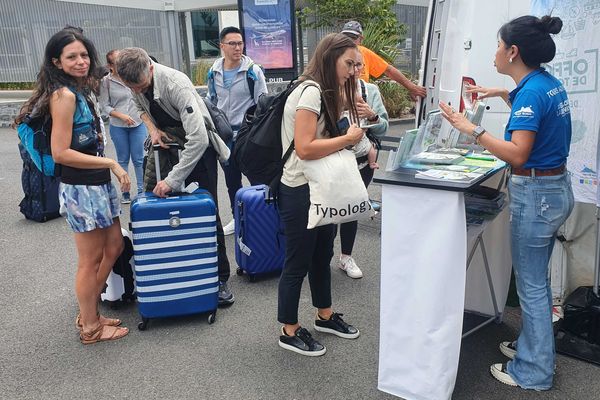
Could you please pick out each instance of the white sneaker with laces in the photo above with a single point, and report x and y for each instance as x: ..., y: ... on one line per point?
x: 509, y: 349
x: 499, y: 372
x: 348, y: 265
x: 229, y: 229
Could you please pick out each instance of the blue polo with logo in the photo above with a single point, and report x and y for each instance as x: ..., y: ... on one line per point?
x: 540, y: 104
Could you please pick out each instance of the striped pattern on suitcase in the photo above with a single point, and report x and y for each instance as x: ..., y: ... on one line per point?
x: 175, y: 254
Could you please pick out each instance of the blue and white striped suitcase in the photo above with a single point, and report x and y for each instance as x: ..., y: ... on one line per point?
x: 175, y: 255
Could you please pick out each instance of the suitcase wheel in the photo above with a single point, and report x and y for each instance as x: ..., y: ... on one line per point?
x: 252, y: 278
x: 211, y: 318
x: 143, y: 324
x: 239, y: 271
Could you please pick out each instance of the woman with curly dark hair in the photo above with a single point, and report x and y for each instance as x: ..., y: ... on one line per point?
x: 89, y: 201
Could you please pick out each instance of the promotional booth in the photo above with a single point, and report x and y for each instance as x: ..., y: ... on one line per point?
x: 442, y: 275
x: 433, y: 268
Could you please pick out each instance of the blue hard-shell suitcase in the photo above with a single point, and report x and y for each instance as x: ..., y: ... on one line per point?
x: 259, y: 238
x: 175, y: 255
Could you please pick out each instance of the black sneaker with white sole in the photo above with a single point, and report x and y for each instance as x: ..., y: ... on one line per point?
x: 509, y: 349
x: 336, y: 326
x: 225, y: 296
x: 301, y: 342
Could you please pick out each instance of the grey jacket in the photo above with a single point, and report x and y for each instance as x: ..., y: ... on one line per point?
x: 237, y: 99
x: 176, y: 95
x: 114, y: 95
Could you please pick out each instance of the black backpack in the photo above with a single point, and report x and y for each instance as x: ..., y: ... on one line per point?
x: 220, y: 121
x: 258, y: 147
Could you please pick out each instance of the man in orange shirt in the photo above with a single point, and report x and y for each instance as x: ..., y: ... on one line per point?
x: 376, y: 66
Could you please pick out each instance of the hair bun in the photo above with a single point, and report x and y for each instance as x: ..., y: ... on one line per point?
x: 552, y: 24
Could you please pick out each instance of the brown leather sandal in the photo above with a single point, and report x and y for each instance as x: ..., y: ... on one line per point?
x: 110, y: 321
x: 95, y: 335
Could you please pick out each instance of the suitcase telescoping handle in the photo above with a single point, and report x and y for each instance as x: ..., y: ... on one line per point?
x: 156, y: 148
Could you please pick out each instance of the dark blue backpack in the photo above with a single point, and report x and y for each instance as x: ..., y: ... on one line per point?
x: 34, y: 133
x: 41, y: 192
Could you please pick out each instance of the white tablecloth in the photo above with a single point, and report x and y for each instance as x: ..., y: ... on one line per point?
x: 423, y: 258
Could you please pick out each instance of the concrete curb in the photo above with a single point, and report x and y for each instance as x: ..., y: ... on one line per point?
x: 15, y: 94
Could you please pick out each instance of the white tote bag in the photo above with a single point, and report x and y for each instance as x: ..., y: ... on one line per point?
x: 337, y: 192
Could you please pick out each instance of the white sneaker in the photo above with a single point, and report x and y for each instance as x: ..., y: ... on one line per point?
x: 349, y: 265
x: 229, y: 229
x: 509, y: 349
x: 499, y: 372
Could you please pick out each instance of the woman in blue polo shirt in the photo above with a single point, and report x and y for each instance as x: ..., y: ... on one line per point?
x: 536, y: 145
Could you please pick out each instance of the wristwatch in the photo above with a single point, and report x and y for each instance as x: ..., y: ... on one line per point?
x: 477, y: 132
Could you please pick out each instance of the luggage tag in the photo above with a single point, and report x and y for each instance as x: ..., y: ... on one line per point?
x: 191, y: 188
x: 243, y: 248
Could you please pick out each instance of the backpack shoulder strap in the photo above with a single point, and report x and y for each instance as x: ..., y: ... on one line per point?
x: 210, y: 77
x: 250, y: 78
x: 363, y: 90
x: 309, y: 84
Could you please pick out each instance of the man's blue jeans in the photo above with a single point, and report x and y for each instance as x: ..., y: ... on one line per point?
x: 129, y: 143
x: 538, y: 207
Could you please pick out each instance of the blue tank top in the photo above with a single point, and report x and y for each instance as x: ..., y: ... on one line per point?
x: 85, y: 139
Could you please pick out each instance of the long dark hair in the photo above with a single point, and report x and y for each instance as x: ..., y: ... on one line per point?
x: 532, y: 36
x: 50, y: 78
x: 322, y: 69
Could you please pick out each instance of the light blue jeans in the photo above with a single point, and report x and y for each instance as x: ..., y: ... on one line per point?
x: 538, y: 207
x: 129, y: 143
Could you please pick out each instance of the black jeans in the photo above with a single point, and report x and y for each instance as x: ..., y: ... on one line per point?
x: 348, y: 229
x: 205, y: 173
x: 308, y: 251
x: 233, y: 177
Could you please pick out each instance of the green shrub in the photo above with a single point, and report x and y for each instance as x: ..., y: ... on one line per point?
x: 381, y: 41
x: 200, y: 71
x: 17, y: 85
x: 396, y: 99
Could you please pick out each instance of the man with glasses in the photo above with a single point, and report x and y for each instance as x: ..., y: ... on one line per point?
x: 376, y: 66
x: 173, y: 111
x: 234, y: 84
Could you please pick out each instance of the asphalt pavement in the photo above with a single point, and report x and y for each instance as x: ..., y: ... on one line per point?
x: 186, y: 358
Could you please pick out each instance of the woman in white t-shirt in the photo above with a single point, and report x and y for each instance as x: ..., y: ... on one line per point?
x: 310, y: 120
